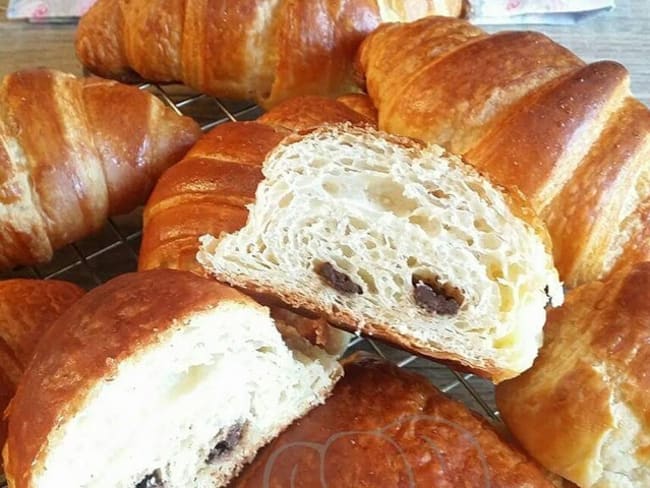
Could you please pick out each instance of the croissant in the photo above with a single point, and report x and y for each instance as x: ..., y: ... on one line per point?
x: 529, y: 113
x: 27, y: 308
x: 267, y: 50
x: 582, y: 409
x: 207, y: 192
x: 158, y: 379
x: 390, y: 428
x: 74, y: 151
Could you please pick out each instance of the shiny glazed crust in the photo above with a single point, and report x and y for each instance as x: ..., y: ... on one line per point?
x: 386, y: 427
x: 530, y: 114
x: 268, y: 50
x: 73, y: 152
x: 27, y: 309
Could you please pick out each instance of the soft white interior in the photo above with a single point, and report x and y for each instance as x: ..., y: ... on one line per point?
x: 380, y: 212
x: 166, y: 408
x: 618, y: 464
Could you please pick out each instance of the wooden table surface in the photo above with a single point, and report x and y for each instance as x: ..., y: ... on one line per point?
x: 621, y: 35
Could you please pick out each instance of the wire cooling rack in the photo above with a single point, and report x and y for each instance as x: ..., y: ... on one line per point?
x: 113, y: 251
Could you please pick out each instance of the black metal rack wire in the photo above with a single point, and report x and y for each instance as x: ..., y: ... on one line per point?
x: 113, y: 251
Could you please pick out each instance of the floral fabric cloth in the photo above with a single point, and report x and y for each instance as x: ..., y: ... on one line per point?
x: 47, y: 9
x: 535, y: 11
x: 482, y: 11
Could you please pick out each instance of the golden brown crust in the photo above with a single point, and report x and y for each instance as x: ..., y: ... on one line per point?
x: 88, y: 342
x: 516, y: 62
x: 637, y: 248
x: 214, y: 53
x: 69, y: 198
x: 596, y: 352
x: 567, y: 134
x: 361, y: 104
x: 164, y: 19
x: 27, y: 309
x: 318, y: 53
x: 74, y: 152
x: 386, y: 427
x: 303, y: 113
x: 205, y: 193
x: 99, y: 44
x: 585, y: 216
x: 401, y: 46
x: 258, y: 49
x: 138, y: 139
x: 529, y: 127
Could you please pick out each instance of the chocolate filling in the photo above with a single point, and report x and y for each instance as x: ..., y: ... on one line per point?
x: 226, y: 445
x: 338, y: 280
x: 153, y: 480
x: 549, y: 300
x: 436, y: 298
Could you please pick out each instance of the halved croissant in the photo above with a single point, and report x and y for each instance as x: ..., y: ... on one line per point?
x: 159, y: 378
x: 207, y: 192
x: 529, y: 113
x: 74, y: 151
x: 395, y: 239
x: 268, y: 50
